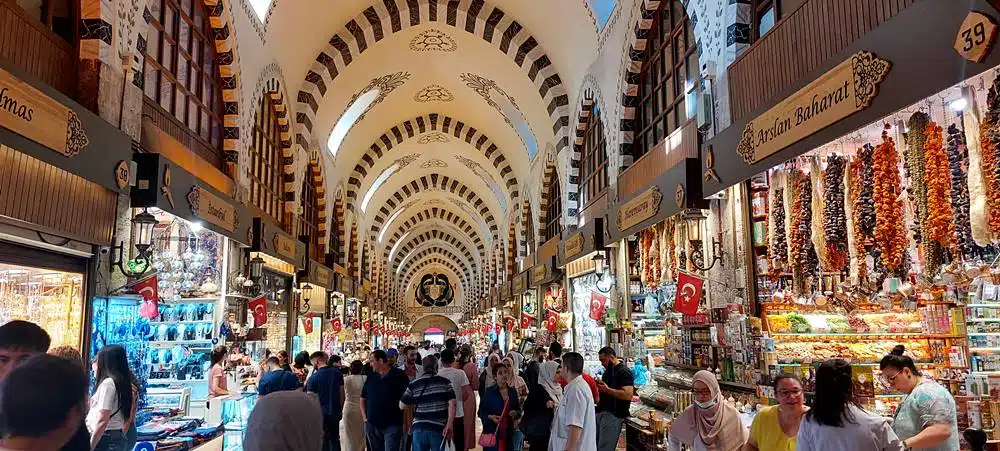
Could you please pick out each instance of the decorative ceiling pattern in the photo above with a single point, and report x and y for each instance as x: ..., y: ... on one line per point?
x: 434, y: 93
x: 434, y: 137
x: 433, y: 213
x: 385, y: 85
x: 437, y: 247
x: 418, y: 264
x: 439, y: 182
x: 506, y: 105
x: 433, y: 40
x: 434, y: 163
x: 416, y: 240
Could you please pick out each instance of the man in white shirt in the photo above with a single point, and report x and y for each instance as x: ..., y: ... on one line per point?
x: 575, y: 427
x: 463, y: 390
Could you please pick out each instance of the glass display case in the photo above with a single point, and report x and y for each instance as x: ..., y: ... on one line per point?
x: 116, y: 321
x: 52, y: 299
x: 591, y: 335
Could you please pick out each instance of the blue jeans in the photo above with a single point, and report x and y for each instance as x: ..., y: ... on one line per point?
x: 385, y: 439
x: 517, y: 440
x: 424, y: 440
x: 112, y: 441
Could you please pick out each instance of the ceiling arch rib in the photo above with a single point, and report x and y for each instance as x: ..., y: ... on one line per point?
x: 435, y: 182
x: 432, y: 213
x: 429, y: 129
x: 476, y: 17
x: 433, y: 247
x: 414, y: 236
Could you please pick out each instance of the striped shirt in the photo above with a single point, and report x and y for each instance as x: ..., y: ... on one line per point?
x: 430, y: 395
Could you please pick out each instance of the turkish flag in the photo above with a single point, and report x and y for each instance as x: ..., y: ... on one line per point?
x: 307, y: 323
x: 689, y: 288
x: 496, y: 329
x: 597, y: 303
x: 336, y: 324
x: 509, y: 322
x: 147, y: 288
x: 526, y: 320
x: 354, y: 324
x: 258, y: 307
x: 551, y: 323
x: 483, y: 328
x: 367, y: 326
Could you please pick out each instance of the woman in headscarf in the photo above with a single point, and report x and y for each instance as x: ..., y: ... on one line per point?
x: 709, y: 424
x: 513, y: 363
x: 539, y: 407
x: 498, y: 410
x: 285, y: 421
x: 486, y: 379
x: 468, y: 362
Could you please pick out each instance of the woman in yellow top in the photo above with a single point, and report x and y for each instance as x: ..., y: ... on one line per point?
x: 775, y: 427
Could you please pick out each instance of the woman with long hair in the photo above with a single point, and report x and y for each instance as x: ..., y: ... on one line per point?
x: 539, y: 407
x: 836, y: 422
x: 775, y: 427
x: 926, y: 418
x: 283, y: 360
x: 710, y: 423
x: 217, y: 385
x: 354, y: 426
x: 299, y: 367
x: 498, y: 410
x: 111, y: 406
x: 467, y: 360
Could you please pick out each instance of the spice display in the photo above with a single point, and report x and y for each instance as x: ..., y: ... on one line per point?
x: 913, y: 164
x: 990, y: 143
x: 779, y: 244
x: 645, y: 242
x: 834, y: 217
x: 863, y: 206
x: 803, y: 254
x: 938, y: 178
x: 890, y: 235
x: 669, y: 250
x: 958, y: 164
x: 654, y: 257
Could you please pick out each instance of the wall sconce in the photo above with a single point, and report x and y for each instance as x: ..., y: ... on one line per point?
x: 302, y: 306
x: 694, y: 219
x: 142, y: 237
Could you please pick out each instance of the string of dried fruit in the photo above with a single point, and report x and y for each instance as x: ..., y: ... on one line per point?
x: 671, y: 250
x: 938, y: 225
x: 890, y: 233
x: 654, y: 257
x: 834, y: 217
x: 803, y: 254
x: 778, y: 252
x: 863, y: 207
x: 647, y: 267
x: 990, y: 143
x: 913, y: 165
x: 960, y: 202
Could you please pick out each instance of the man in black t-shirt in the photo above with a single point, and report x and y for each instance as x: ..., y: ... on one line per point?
x: 379, y: 404
x: 616, y: 388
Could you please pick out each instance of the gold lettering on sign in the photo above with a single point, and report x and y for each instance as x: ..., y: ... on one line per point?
x: 844, y: 90
x: 574, y: 245
x: 538, y: 273
x: 518, y: 284
x: 284, y: 246
x: 214, y: 209
x: 320, y: 275
x: 32, y: 114
x: 641, y: 208
x: 976, y: 36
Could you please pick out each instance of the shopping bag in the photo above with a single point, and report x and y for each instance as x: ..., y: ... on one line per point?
x: 447, y: 445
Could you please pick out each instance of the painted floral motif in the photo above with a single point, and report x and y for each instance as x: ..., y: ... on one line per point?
x: 433, y: 137
x: 434, y: 93
x: 434, y: 163
x: 385, y: 84
x: 433, y: 40
x: 76, y: 136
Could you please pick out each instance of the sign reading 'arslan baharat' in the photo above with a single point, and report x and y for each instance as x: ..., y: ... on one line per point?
x: 844, y: 90
x: 38, y: 117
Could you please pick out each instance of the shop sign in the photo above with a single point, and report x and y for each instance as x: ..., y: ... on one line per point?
x: 32, y: 114
x: 206, y: 205
x: 538, y: 273
x: 846, y: 89
x: 284, y: 246
x: 320, y: 275
x: 122, y: 174
x: 574, y: 245
x: 433, y: 310
x: 641, y: 208
x: 976, y: 36
x: 518, y: 285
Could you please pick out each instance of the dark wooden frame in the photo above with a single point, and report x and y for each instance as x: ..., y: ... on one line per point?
x: 553, y: 211
x: 759, y: 8
x: 594, y: 161
x: 309, y: 219
x: 266, y: 167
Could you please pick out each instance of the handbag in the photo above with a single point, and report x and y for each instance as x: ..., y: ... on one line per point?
x: 487, y: 440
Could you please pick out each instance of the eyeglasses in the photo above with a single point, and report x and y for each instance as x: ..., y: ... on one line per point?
x: 889, y: 379
x: 703, y: 392
x: 789, y: 393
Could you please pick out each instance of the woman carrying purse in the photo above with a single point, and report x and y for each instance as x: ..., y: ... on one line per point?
x: 498, y: 409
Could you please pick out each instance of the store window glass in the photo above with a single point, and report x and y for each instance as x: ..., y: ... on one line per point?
x: 765, y: 15
x: 52, y: 299
x: 668, y: 80
x: 266, y: 166
x: 590, y: 333
x: 277, y: 291
x: 594, y: 170
x: 180, y: 70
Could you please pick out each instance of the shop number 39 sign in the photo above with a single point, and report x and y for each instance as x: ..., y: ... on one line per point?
x: 975, y: 36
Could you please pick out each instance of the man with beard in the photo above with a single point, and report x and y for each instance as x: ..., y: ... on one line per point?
x: 616, y: 387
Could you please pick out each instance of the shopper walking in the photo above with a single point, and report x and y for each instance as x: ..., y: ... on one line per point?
x: 354, y: 425
x: 926, y: 418
x: 42, y: 402
x: 379, y: 398
x: 539, y: 410
x: 486, y: 379
x: 499, y: 409
x: 468, y: 364
x: 575, y: 427
x: 300, y: 367
x: 111, y: 404
x: 836, y: 422
x: 276, y: 379
x: 328, y: 385
x: 463, y: 392
x: 616, y: 387
x: 775, y: 427
x: 531, y: 371
x: 513, y: 362
x: 710, y: 423
x: 285, y: 421
x: 432, y: 398
x: 283, y: 360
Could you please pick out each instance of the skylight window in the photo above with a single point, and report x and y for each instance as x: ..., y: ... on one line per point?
x: 520, y: 125
x: 381, y: 235
x: 376, y: 184
x: 344, y: 124
x: 260, y: 7
x: 602, y: 11
x: 396, y: 246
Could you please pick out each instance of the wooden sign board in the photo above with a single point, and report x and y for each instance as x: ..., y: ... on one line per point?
x: 40, y: 118
x: 574, y: 245
x: 538, y: 273
x: 284, y: 246
x: 976, y: 36
x: 320, y: 275
x: 518, y: 285
x: 641, y: 208
x: 844, y: 90
x: 214, y: 209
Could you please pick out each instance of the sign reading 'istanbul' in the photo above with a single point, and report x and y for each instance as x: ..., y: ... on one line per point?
x: 213, y: 208
x: 641, y: 208
x: 321, y: 275
x: 32, y: 114
x: 841, y: 92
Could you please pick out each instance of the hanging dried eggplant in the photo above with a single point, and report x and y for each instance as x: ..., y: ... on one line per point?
x: 960, y: 202
x: 834, y: 217
x: 863, y: 207
x: 778, y: 252
x: 990, y: 143
x: 803, y: 254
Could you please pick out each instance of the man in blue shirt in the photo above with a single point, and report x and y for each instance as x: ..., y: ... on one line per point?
x: 379, y: 403
x: 276, y: 379
x: 327, y: 383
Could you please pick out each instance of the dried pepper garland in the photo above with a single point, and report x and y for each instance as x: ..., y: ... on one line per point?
x: 990, y: 143
x: 938, y: 177
x: 834, y: 217
x: 646, y: 241
x: 913, y: 164
x: 668, y: 238
x: 654, y: 257
x: 863, y: 207
x: 890, y: 233
x: 960, y: 203
x: 779, y: 245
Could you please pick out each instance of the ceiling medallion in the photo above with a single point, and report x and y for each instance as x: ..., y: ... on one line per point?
x: 433, y: 40
x: 434, y: 93
x: 434, y: 163
x: 433, y: 137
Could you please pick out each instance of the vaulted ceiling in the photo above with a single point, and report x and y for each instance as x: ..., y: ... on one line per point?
x: 443, y: 112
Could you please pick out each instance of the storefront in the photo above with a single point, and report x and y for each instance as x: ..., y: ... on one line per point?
x: 315, y: 284
x: 545, y: 281
x: 280, y: 256
x: 335, y: 329
x: 873, y: 211
x: 63, y: 169
x: 589, y: 280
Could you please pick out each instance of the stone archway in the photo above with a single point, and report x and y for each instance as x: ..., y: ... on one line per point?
x: 428, y: 321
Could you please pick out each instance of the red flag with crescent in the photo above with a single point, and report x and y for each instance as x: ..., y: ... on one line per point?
x: 307, y: 323
x: 597, y: 303
x: 526, y: 320
x: 496, y: 329
x: 551, y: 320
x: 258, y: 307
x: 147, y: 288
x: 366, y: 326
x: 688, y: 297
x: 336, y: 324
x: 354, y: 324
x: 509, y: 322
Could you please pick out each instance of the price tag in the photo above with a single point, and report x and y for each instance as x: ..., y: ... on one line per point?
x: 976, y: 36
